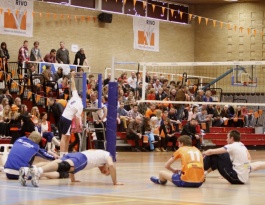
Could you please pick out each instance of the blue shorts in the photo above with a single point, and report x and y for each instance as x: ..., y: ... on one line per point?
x: 79, y: 160
x: 178, y: 182
x: 65, y: 125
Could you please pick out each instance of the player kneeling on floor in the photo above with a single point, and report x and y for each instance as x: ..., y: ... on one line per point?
x: 191, y: 173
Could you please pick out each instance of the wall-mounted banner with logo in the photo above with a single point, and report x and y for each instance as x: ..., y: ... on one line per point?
x: 16, y: 17
x: 146, y: 34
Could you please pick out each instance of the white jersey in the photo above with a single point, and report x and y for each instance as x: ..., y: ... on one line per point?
x: 73, y: 107
x: 98, y: 115
x: 95, y: 158
x: 239, y: 158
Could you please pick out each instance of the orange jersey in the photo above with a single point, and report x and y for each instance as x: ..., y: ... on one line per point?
x: 191, y: 164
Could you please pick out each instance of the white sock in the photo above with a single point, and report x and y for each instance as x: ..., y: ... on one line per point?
x: 40, y: 170
x: 62, y: 154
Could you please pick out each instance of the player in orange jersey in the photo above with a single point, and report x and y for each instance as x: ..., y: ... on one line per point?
x: 191, y: 173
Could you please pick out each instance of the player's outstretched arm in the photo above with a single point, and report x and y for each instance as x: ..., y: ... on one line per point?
x: 73, y: 87
x: 168, y: 165
x: 113, y: 172
x: 72, y: 178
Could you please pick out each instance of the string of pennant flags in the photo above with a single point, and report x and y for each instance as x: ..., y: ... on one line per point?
x: 191, y: 16
x: 22, y: 88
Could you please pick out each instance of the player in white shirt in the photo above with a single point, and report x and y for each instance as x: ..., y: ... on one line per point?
x: 73, y: 108
x: 75, y: 162
x: 232, y: 161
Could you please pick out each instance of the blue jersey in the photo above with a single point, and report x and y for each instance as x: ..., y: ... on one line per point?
x: 22, y: 155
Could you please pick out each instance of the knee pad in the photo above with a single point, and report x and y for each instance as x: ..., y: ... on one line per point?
x: 63, y: 175
x: 63, y: 167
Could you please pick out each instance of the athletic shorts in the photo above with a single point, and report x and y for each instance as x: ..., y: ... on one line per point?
x: 65, y: 125
x: 178, y: 182
x: 79, y: 160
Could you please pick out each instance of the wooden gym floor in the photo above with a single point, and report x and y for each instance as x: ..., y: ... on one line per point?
x: 134, y: 170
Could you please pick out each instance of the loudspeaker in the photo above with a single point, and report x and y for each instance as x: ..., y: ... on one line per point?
x: 104, y: 17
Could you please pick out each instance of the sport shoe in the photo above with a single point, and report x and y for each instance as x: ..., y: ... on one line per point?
x: 155, y: 180
x: 23, y: 176
x: 157, y: 150
x: 35, y: 175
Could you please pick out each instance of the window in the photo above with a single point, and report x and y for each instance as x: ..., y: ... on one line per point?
x: 84, y: 3
x: 139, y: 10
x: 112, y: 5
x: 176, y: 15
x: 157, y: 12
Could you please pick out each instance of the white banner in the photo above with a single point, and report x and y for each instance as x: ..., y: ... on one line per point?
x: 146, y: 34
x: 16, y: 17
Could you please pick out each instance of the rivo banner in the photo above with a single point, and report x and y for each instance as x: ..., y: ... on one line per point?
x: 16, y: 17
x: 146, y: 34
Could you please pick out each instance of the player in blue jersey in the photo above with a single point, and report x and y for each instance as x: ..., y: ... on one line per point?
x: 23, y: 154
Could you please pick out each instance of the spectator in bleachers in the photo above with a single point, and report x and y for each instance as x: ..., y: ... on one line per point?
x: 4, y: 102
x: 6, y: 129
x: 157, y: 85
x: 193, y: 113
x: 6, y: 94
x: 62, y: 54
x: 58, y: 74
x: 23, y: 54
x: 203, y: 117
x: 50, y: 57
x: 133, y: 113
x: 5, y: 55
x: 190, y: 130
x: 226, y: 115
x: 217, y: 120
x: 106, y: 81
x: 35, y: 111
x: 169, y: 133
x: 248, y: 117
x: 151, y: 94
x: 172, y: 115
x: 123, y: 77
x: 35, y: 54
x: 14, y: 123
x: 160, y: 95
x: 181, y: 96
x: 122, y: 114
x: 208, y: 96
x: 27, y: 125
x: 45, y: 128
x: 48, y: 76
x: 129, y: 101
x: 151, y: 130
x: 132, y: 80
x: 147, y: 77
x: 17, y: 102
x: 57, y: 110
x: 199, y: 96
x: 134, y: 132
x: 80, y: 58
x: 151, y: 110
x: 238, y: 117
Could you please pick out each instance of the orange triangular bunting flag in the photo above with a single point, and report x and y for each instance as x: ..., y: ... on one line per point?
x: 190, y: 16
x: 13, y: 72
x: 172, y: 12
x: 153, y: 6
x: 16, y: 12
x: 29, y: 94
x: 8, y: 11
x: 40, y: 14
x: 241, y: 29
x: 37, y: 98
x: 235, y: 27
x: 48, y: 15
x: 214, y: 23
x: 65, y: 96
x: 255, y: 32
x: 199, y: 19
x: 221, y: 24
x: 228, y: 26
x: 33, y: 13
x: 144, y: 4
x: 88, y: 18
x: 28, y: 81
x: 194, y: 88
x: 180, y: 14
x: 48, y: 89
x: 134, y: 2
x: 206, y: 21
x: 21, y: 90
x: 95, y: 18
x: 8, y: 78
x: 54, y: 16
x: 124, y: 2
x: 249, y: 31
x: 163, y: 10
x: 1, y: 10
